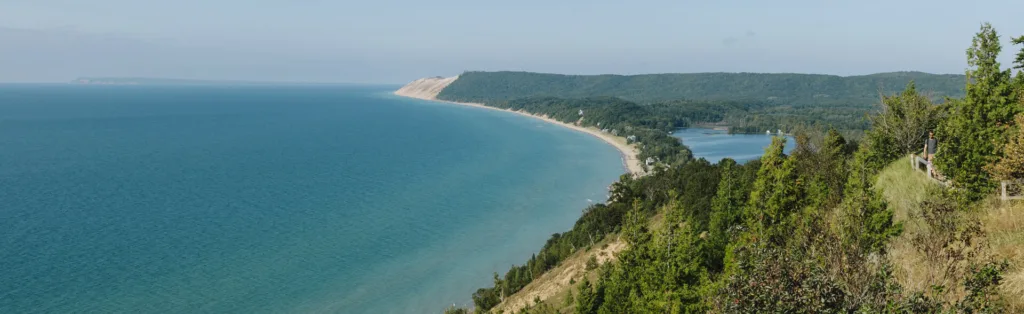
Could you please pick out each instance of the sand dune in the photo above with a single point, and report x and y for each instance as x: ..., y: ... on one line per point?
x: 425, y: 88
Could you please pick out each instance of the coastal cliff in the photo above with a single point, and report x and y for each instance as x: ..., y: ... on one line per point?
x: 426, y: 88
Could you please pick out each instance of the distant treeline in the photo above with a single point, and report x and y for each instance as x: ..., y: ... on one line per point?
x: 775, y: 89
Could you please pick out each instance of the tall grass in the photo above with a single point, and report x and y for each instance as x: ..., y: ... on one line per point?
x: 904, y: 188
x: 1002, y: 223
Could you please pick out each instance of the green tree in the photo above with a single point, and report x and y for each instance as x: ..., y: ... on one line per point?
x: 866, y: 219
x: 971, y: 137
x: 727, y: 208
x: 776, y: 193
x: 588, y: 300
x: 485, y: 298
x: 1019, y: 62
x: 902, y: 124
x: 635, y: 225
x: 821, y: 165
x: 455, y: 310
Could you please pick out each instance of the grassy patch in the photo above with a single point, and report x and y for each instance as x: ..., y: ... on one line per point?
x: 904, y: 188
x: 1002, y: 224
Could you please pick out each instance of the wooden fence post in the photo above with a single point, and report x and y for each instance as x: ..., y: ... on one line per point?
x: 1005, y: 196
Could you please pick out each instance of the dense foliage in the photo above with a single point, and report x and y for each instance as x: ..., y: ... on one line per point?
x: 779, y: 89
x: 801, y: 232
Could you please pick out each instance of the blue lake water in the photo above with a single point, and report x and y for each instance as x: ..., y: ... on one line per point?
x: 714, y: 145
x: 273, y: 199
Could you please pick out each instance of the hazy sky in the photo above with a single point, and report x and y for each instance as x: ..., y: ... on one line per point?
x: 389, y: 41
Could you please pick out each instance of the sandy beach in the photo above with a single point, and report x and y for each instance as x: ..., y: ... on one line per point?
x: 428, y: 88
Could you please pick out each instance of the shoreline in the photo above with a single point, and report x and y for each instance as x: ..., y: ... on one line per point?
x: 628, y: 153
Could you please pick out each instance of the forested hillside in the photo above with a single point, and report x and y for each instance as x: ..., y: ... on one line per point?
x: 836, y: 226
x: 776, y: 89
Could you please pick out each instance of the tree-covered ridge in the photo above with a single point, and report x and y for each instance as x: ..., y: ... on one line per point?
x: 779, y: 89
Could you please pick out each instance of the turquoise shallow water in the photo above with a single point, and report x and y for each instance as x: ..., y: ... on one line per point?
x: 714, y: 145
x: 273, y: 199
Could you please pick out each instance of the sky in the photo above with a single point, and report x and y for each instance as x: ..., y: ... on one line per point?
x: 390, y: 41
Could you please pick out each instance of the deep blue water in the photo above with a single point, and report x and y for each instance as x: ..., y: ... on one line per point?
x: 714, y: 145
x: 273, y: 199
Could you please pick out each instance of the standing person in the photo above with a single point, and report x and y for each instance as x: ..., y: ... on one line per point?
x: 930, y: 146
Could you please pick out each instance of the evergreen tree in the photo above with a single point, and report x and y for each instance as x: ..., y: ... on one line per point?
x: 635, y: 225
x: 1019, y: 62
x: 822, y: 167
x: 971, y: 137
x: 587, y: 300
x: 866, y: 219
x: 776, y: 192
x: 727, y: 210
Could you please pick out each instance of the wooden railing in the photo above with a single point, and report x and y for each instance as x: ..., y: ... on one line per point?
x: 1005, y: 187
x: 917, y: 162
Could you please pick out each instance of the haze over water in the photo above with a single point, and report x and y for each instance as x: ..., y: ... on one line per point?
x: 273, y: 199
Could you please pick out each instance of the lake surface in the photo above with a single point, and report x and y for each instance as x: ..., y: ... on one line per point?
x: 714, y: 145
x: 274, y: 199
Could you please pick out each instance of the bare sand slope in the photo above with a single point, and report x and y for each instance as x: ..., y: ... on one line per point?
x: 428, y: 88
x: 425, y: 88
x: 561, y: 279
